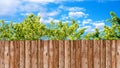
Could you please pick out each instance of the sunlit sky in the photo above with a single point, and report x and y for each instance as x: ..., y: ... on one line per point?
x: 88, y: 13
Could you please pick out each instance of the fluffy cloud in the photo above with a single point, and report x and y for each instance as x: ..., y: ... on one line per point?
x: 8, y: 7
x: 87, y: 21
x: 77, y: 14
x: 99, y: 24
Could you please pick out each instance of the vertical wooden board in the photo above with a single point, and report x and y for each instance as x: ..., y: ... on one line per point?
x: 40, y: 54
x: 7, y: 54
x: 108, y: 54
x: 84, y: 54
x: 45, y: 54
x: 118, y: 54
x: 103, y: 54
x: 51, y: 54
x: 27, y: 54
x: 113, y: 53
x: 61, y: 54
x: 78, y: 53
x: 56, y: 54
x: 73, y: 54
x: 0, y: 53
x: 12, y: 54
x: 67, y: 54
x: 2, y: 49
x: 34, y: 54
x: 22, y: 54
x: 90, y: 53
x: 17, y: 54
x: 96, y: 53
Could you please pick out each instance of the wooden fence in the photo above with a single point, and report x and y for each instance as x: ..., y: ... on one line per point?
x: 60, y: 54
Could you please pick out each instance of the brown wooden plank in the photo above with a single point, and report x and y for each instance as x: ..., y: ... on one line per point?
x: 84, y: 54
x: 67, y: 54
x: 7, y: 54
x: 12, y: 63
x: 73, y: 54
x: 56, y: 54
x: 90, y: 53
x: 78, y: 53
x: 40, y: 54
x: 34, y: 47
x: 103, y: 54
x: 27, y: 54
x: 108, y: 54
x: 46, y: 54
x: 61, y: 54
x: 51, y: 57
x: 17, y: 54
x: 2, y: 49
x: 113, y: 53
x: 96, y: 53
x: 22, y: 54
x: 118, y: 54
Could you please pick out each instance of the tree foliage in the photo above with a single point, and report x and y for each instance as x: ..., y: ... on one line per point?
x: 32, y: 29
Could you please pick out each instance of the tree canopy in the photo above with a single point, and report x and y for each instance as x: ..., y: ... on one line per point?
x: 32, y: 29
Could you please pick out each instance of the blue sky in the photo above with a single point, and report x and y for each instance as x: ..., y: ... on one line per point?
x: 88, y: 13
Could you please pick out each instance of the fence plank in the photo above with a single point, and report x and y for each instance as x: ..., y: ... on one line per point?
x: 67, y: 54
x: 96, y: 53
x: 2, y: 49
x: 12, y: 63
x: 103, y: 54
x: 108, y: 54
x: 73, y: 54
x: 84, y: 54
x: 78, y: 53
x: 45, y: 54
x: 17, y: 54
x: 118, y: 54
x: 6, y: 54
x: 40, y: 54
x: 22, y: 54
x: 56, y: 54
x: 90, y: 54
x: 61, y: 54
x: 27, y: 54
x: 34, y: 54
x: 113, y: 54
x: 51, y: 57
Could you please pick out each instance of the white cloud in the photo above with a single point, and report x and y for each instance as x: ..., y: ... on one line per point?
x: 48, y: 20
x: 99, y: 25
x: 86, y: 21
x: 88, y: 28
x: 76, y: 9
x: 77, y: 14
x: 8, y: 7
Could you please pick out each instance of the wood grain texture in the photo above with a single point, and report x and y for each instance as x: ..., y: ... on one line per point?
x: 108, y: 54
x: 40, y: 54
x: 78, y: 53
x: 7, y: 54
x: 84, y: 54
x: 90, y: 54
x: 27, y: 54
x: 73, y: 54
x: 2, y: 50
x: 118, y: 54
x: 96, y: 53
x: 61, y: 54
x: 56, y: 54
x: 45, y: 54
x: 113, y: 47
x: 67, y: 54
x: 22, y: 54
x: 34, y: 54
x: 12, y: 61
